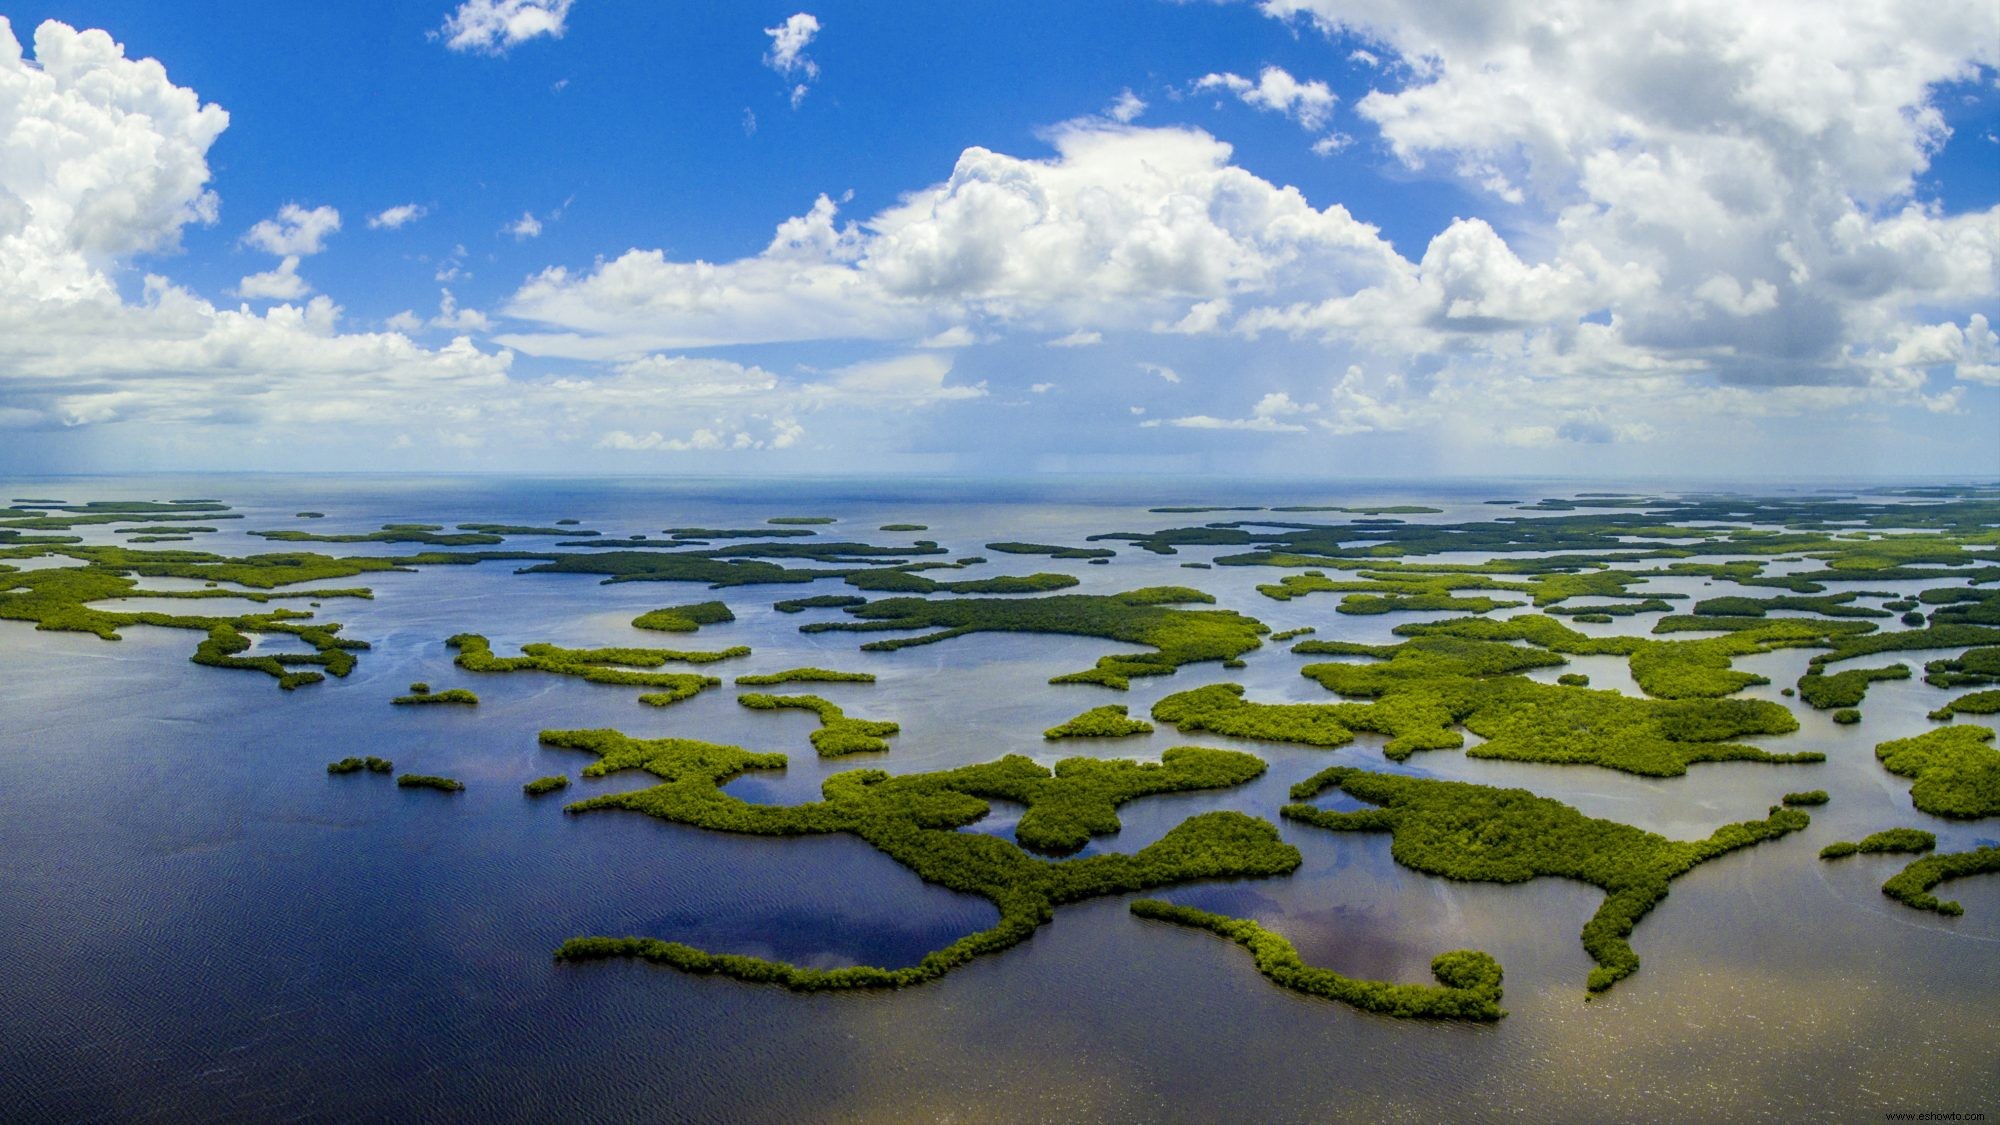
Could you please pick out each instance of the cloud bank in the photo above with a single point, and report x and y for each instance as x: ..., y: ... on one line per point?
x: 1693, y: 217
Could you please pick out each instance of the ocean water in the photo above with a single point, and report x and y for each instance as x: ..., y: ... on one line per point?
x: 198, y: 923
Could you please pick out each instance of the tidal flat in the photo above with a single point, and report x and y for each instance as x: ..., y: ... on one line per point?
x: 417, y: 978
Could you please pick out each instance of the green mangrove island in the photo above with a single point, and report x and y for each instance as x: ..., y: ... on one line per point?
x: 684, y: 618
x: 1108, y: 721
x: 1887, y: 840
x: 1480, y: 833
x: 806, y: 676
x: 430, y: 781
x: 1913, y: 884
x: 1150, y: 617
x: 1468, y: 982
x: 1954, y: 770
x: 422, y: 693
x: 914, y: 820
x: 838, y: 734
x: 613, y: 666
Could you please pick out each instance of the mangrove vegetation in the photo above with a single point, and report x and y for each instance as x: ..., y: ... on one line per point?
x: 1150, y: 616
x: 613, y: 666
x: 1912, y: 885
x: 1108, y: 721
x: 1906, y: 840
x: 684, y: 618
x: 915, y: 820
x: 805, y: 676
x: 1459, y: 830
x: 838, y: 734
x: 1954, y: 771
x: 1420, y: 691
x: 430, y: 781
x: 1468, y: 982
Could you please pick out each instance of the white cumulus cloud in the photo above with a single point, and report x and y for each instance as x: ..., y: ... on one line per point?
x: 492, y: 27
x: 1736, y: 186
x: 1126, y: 108
x: 1124, y: 225
x: 100, y: 159
x: 787, y: 55
x: 293, y: 234
x: 397, y: 217
x: 1310, y: 103
x: 280, y: 284
x: 295, y: 231
x: 1275, y: 413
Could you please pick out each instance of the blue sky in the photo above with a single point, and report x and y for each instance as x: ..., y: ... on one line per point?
x: 1300, y: 236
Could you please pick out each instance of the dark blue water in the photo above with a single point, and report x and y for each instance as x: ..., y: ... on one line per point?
x: 196, y: 922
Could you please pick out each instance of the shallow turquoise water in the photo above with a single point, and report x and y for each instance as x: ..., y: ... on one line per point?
x: 196, y: 922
